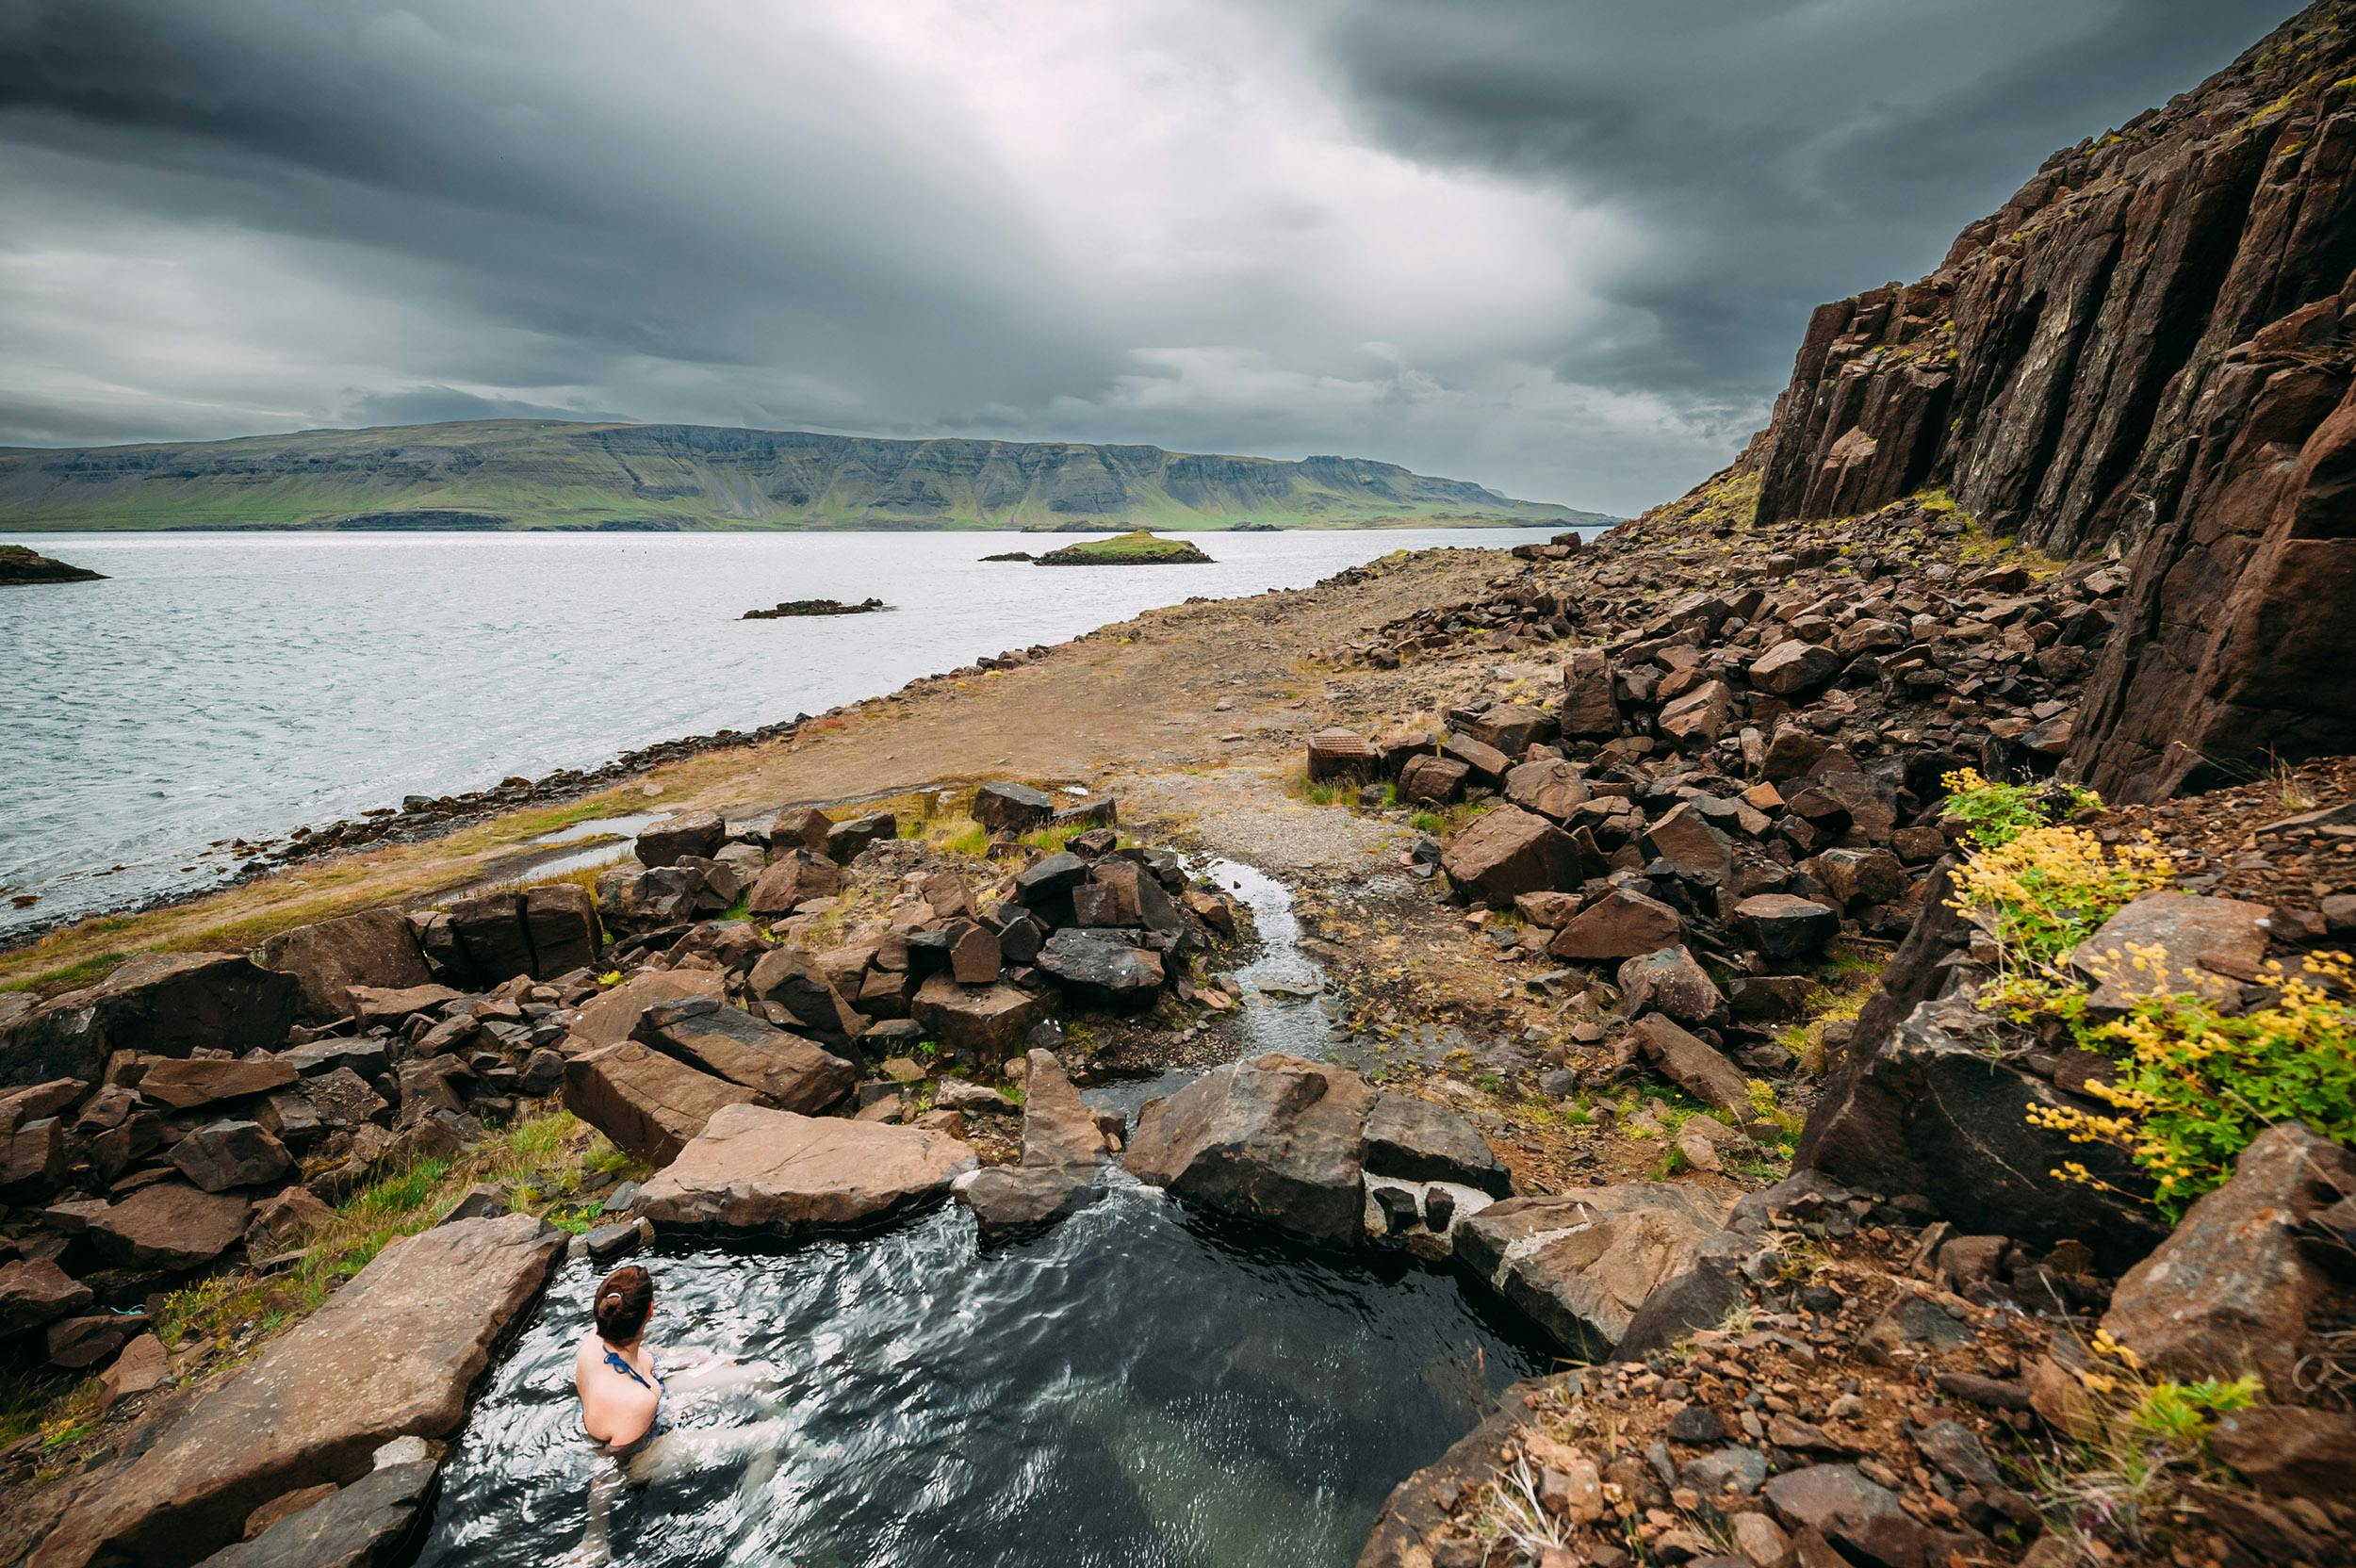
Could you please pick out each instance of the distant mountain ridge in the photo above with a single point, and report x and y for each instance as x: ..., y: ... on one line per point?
x: 538, y: 474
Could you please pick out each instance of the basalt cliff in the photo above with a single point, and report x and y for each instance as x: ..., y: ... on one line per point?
x: 2148, y: 351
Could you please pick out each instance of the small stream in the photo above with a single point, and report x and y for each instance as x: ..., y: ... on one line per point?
x: 1138, y: 1387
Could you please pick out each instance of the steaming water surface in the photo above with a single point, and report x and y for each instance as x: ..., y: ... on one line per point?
x: 220, y: 686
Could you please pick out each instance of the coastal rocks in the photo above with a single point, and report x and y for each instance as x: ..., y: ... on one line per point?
x: 375, y: 947
x: 542, y: 933
x: 670, y: 840
x: 21, y: 564
x: 613, y: 1017
x: 1140, y: 547
x: 1061, y: 1148
x: 651, y: 1105
x: 2231, y: 1290
x: 1590, y: 709
x: 792, y: 608
x: 360, y: 1525
x: 165, y: 1003
x: 1582, y: 1264
x: 755, y: 1171
x: 185, y: 1084
x: 792, y: 880
x: 402, y: 1346
x: 1415, y: 1140
x: 1275, y: 1140
x: 1510, y: 851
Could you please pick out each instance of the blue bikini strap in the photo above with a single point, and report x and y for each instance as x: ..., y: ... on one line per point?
x: 613, y: 1359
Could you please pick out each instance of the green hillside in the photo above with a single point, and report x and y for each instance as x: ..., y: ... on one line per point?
x: 531, y: 474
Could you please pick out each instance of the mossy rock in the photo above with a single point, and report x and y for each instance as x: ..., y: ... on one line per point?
x: 1139, y: 548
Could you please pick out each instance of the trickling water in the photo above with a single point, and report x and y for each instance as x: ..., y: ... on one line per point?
x: 1134, y: 1388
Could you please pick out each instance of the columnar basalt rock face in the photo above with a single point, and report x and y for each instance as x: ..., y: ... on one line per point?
x: 2147, y: 345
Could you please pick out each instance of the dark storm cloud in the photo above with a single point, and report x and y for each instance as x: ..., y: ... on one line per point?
x: 1565, y: 249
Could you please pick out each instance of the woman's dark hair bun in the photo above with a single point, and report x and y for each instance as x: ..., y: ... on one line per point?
x: 623, y: 1301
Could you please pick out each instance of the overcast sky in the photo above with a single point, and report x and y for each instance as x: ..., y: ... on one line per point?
x: 1563, y: 247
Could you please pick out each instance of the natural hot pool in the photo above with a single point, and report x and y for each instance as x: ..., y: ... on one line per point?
x: 1134, y: 1388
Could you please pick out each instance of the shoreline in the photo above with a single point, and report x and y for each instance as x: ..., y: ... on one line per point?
x: 472, y: 836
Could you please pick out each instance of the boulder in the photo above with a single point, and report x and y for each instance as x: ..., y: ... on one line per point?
x: 847, y: 839
x: 1550, y: 786
x: 1793, y: 667
x: 988, y: 1022
x: 974, y: 956
x: 33, y: 1159
x: 1786, y: 929
x: 142, y: 1367
x: 799, y: 827
x: 1487, y: 762
x: 758, y: 1171
x: 793, y: 880
x: 613, y: 1017
x: 1510, y: 727
x: 1342, y: 754
x: 1417, y: 1141
x: 1007, y: 1199
x: 1858, y: 876
x: 2289, y: 1450
x: 185, y: 1084
x: 785, y: 1070
x: 2231, y: 1291
x: 1059, y: 1127
x: 1671, y: 982
x: 665, y: 842
x: 228, y: 1154
x: 163, y: 1003
x: 1685, y: 838
x: 34, y: 1291
x: 1106, y: 967
x: 1863, y: 1519
x: 1700, y: 714
x: 1585, y: 1263
x: 1432, y: 779
x: 2210, y: 945
x: 543, y: 933
x: 632, y: 900
x: 790, y: 979
x: 1039, y: 885
x: 649, y: 1105
x: 402, y: 1346
x: 1692, y: 1065
x: 1511, y: 851
x: 372, y: 1007
x: 561, y: 923
x: 1622, y: 924
x: 1590, y: 709
x: 1016, y: 808
x: 360, y: 1525
x: 375, y: 947
x: 1275, y: 1138
x: 169, y: 1225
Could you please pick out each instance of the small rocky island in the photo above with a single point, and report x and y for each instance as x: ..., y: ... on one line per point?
x: 1142, y: 547
x: 1010, y: 555
x: 814, y: 606
x: 22, y: 564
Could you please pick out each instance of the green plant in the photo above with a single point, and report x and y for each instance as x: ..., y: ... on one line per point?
x: 1427, y: 822
x: 1994, y: 815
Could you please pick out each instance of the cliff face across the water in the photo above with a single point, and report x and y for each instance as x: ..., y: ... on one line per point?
x: 2148, y: 347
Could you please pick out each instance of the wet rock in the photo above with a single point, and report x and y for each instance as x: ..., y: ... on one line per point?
x: 1786, y: 929
x: 987, y: 1022
x: 1275, y: 1140
x: 1585, y: 1263
x: 1694, y: 1065
x: 164, y: 1004
x: 1058, y: 1127
x: 360, y: 1525
x: 1016, y: 808
x: 666, y: 842
x: 651, y: 1105
x: 1009, y: 1199
x: 782, y: 1068
x: 1671, y: 982
x: 401, y: 1345
x: 1510, y: 851
x: 755, y: 1171
x: 183, y: 1084
x: 793, y: 880
x: 1106, y: 967
x: 229, y: 1154
x: 2231, y: 1291
x: 1621, y: 924
x: 34, y: 1291
x: 1419, y: 1141
x: 375, y: 947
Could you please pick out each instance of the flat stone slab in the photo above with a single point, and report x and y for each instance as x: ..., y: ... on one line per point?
x: 612, y: 1018
x: 758, y: 1171
x: 2190, y: 942
x: 394, y: 1354
x: 651, y: 1105
x: 1584, y: 1264
x: 360, y: 1525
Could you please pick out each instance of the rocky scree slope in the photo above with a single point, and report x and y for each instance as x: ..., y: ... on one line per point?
x: 521, y: 473
x: 2150, y: 343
